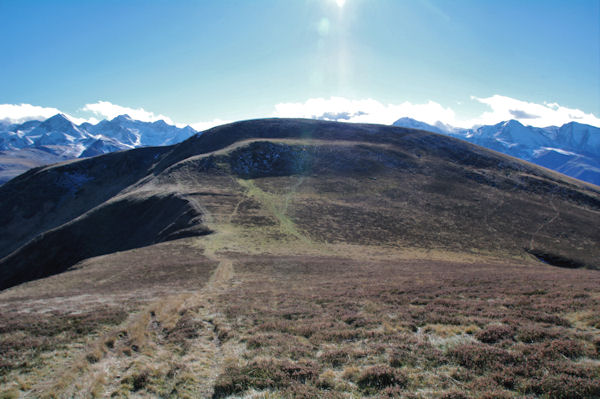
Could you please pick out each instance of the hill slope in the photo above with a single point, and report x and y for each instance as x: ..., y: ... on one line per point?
x: 314, y: 181
x: 299, y: 258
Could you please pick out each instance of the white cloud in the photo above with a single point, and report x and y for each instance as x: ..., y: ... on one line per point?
x: 364, y: 111
x: 19, y: 113
x: 108, y: 110
x: 502, y: 108
x: 541, y: 115
x: 202, y: 126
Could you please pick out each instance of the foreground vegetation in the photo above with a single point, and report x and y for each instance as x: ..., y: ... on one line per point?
x: 322, y: 326
x: 318, y: 328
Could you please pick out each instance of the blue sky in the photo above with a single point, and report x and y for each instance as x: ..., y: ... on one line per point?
x: 460, y: 62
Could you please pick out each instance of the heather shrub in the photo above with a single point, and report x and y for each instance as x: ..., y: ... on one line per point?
x: 326, y: 380
x: 495, y: 333
x: 564, y: 387
x: 359, y: 321
x: 542, y: 317
x: 423, y: 354
x: 137, y: 381
x: 531, y: 334
x: 505, y: 378
x: 335, y: 358
x: 462, y: 374
x: 377, y: 378
x: 483, y: 384
x: 394, y: 392
x: 262, y: 375
x: 455, y: 395
x: 345, y: 335
x: 556, y: 349
x: 185, y: 329
x: 55, y: 323
x: 574, y: 369
x: 10, y: 394
x: 495, y: 395
x: 594, y: 321
x: 279, y: 345
x: 480, y: 357
x: 303, y: 391
x: 351, y: 373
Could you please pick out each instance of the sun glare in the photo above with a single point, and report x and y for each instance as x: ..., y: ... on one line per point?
x: 340, y: 3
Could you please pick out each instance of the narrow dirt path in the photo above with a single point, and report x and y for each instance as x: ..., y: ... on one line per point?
x: 206, y: 354
x: 541, y: 226
x: 500, y: 203
x: 292, y: 192
x: 277, y: 206
x: 173, y: 346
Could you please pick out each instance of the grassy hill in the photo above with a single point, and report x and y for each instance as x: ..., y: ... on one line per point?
x: 300, y: 258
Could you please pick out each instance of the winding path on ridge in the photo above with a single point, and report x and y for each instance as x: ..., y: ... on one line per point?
x: 142, y: 342
x: 544, y: 224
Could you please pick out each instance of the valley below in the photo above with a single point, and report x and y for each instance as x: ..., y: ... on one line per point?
x: 287, y: 258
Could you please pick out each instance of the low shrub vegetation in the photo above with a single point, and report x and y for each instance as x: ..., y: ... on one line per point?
x: 455, y: 330
x: 321, y: 327
x: 377, y: 378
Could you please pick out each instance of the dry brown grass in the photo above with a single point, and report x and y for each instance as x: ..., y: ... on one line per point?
x: 447, y: 326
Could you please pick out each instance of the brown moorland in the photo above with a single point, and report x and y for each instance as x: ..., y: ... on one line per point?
x: 298, y: 259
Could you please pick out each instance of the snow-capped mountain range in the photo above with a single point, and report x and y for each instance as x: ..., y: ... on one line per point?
x: 56, y: 139
x: 572, y: 149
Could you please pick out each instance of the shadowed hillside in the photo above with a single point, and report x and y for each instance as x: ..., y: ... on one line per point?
x: 126, y: 223
x: 315, y: 235
x: 47, y: 197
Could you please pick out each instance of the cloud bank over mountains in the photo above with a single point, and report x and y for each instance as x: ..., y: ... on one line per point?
x: 532, y: 114
x: 500, y: 108
x: 108, y: 110
x: 94, y: 113
x: 19, y: 113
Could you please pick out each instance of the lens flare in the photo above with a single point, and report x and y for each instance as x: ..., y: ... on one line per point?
x: 340, y: 3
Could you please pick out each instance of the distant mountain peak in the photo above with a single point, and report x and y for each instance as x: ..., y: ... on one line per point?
x: 58, y: 122
x: 124, y: 117
x: 512, y: 123
x: 415, y: 124
x: 58, y: 117
x: 407, y: 119
x: 572, y: 149
x: 160, y: 122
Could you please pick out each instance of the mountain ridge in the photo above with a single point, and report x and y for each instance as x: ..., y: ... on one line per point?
x: 572, y: 149
x: 577, y: 145
x: 62, y: 139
